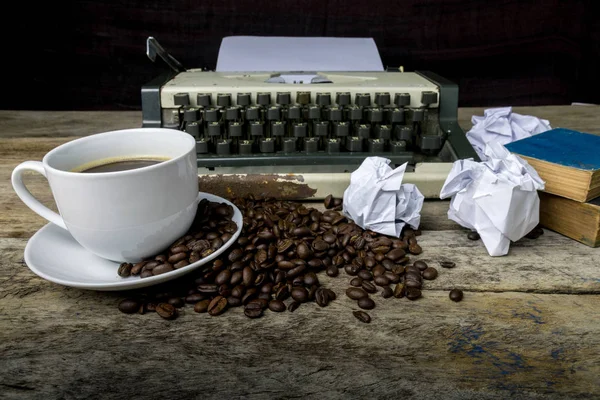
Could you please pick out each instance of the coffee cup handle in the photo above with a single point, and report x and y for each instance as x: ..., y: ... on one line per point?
x: 26, y: 196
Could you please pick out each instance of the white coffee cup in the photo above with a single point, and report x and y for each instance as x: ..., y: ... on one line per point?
x: 125, y: 215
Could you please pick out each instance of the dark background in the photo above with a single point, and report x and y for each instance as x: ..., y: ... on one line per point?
x: 90, y: 55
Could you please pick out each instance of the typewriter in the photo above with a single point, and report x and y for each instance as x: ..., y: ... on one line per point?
x: 299, y: 135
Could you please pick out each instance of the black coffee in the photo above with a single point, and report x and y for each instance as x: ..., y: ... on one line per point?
x: 115, y: 164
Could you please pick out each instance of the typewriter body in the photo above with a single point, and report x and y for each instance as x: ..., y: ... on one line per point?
x: 299, y: 135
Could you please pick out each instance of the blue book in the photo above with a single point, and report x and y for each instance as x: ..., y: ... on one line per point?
x: 567, y: 160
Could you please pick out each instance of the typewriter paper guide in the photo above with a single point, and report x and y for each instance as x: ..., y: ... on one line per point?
x: 277, y: 53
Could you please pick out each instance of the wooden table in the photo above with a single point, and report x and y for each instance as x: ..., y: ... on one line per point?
x: 528, y: 327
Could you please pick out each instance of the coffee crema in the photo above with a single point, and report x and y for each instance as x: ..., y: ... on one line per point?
x: 116, y: 164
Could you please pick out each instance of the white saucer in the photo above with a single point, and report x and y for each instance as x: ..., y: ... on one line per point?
x: 53, y: 254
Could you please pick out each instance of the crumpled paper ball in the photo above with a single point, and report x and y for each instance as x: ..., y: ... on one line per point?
x: 377, y: 200
x: 501, y: 125
x: 497, y: 198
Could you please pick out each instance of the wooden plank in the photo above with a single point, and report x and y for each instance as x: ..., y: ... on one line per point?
x: 61, y: 342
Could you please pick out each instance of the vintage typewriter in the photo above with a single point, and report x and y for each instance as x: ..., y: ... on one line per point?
x: 299, y: 135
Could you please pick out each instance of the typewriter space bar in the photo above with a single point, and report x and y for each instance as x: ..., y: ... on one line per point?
x: 213, y: 161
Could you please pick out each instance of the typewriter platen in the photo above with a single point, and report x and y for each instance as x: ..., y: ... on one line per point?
x: 299, y: 135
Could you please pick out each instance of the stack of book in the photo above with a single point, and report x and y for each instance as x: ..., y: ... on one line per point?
x: 569, y: 162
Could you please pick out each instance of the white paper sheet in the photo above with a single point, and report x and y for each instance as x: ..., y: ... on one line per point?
x: 497, y: 198
x: 501, y: 125
x: 284, y: 53
x: 377, y: 200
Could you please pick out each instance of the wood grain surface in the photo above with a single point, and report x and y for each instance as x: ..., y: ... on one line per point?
x: 528, y: 327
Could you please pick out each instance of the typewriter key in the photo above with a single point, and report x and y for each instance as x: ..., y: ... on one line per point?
x: 267, y: 145
x: 245, y: 147
x: 300, y: 129
x: 224, y: 147
x: 232, y: 113
x: 398, y: 147
x: 342, y: 98
x: 402, y: 99
x: 321, y: 128
x: 405, y: 133
x: 362, y: 99
x: 252, y: 113
x: 375, y: 115
x: 234, y: 129
x: 284, y: 98
x: 214, y: 129
x: 191, y: 114
x: 243, y: 99
x: 203, y: 99
x: 364, y: 131
x: 314, y: 112
x: 294, y: 112
x: 278, y: 128
x: 181, y: 99
x: 274, y: 113
x: 335, y: 114
x: 376, y: 145
x: 382, y: 99
x: 311, y: 145
x: 256, y: 128
x: 201, y: 146
x: 223, y: 99
x: 383, y: 132
x: 193, y: 129
x: 418, y: 115
x: 341, y: 129
x: 430, y: 143
x: 354, y: 144
x: 289, y: 145
x: 397, y: 115
x: 428, y: 98
x: 303, y: 98
x: 333, y: 146
x: 263, y: 99
x: 355, y: 113
x: 323, y: 99
x: 211, y: 115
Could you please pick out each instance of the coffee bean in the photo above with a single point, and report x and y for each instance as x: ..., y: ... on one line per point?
x: 381, y: 280
x: 413, y: 293
x: 217, y: 305
x: 293, y: 306
x: 311, y: 279
x: 201, y: 306
x: 355, y: 293
x: 473, y: 235
x: 369, y: 287
x: 208, y: 288
x: 447, y: 264
x: 162, y: 269
x: 351, y: 269
x: 253, y: 312
x: 393, y: 278
x: 322, y: 297
x: 166, y: 311
x: 299, y: 294
x: 456, y: 295
x: 370, y: 262
x: 399, y: 290
x: 194, y: 298
x: 395, y: 254
x: 125, y: 269
x: 328, y: 202
x: 387, y: 292
x: 356, y: 282
x: 276, y: 306
x: 362, y: 316
x: 378, y: 270
x: 146, y: 274
x: 332, y: 271
x: 366, y: 303
x: 129, y: 306
x: 430, y: 273
x: 176, y: 302
x: 421, y: 265
x: 366, y: 275
x: 223, y: 277
x: 415, y: 249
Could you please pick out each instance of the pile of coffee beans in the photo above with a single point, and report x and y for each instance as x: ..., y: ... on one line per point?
x: 211, y: 229
x: 276, y: 261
